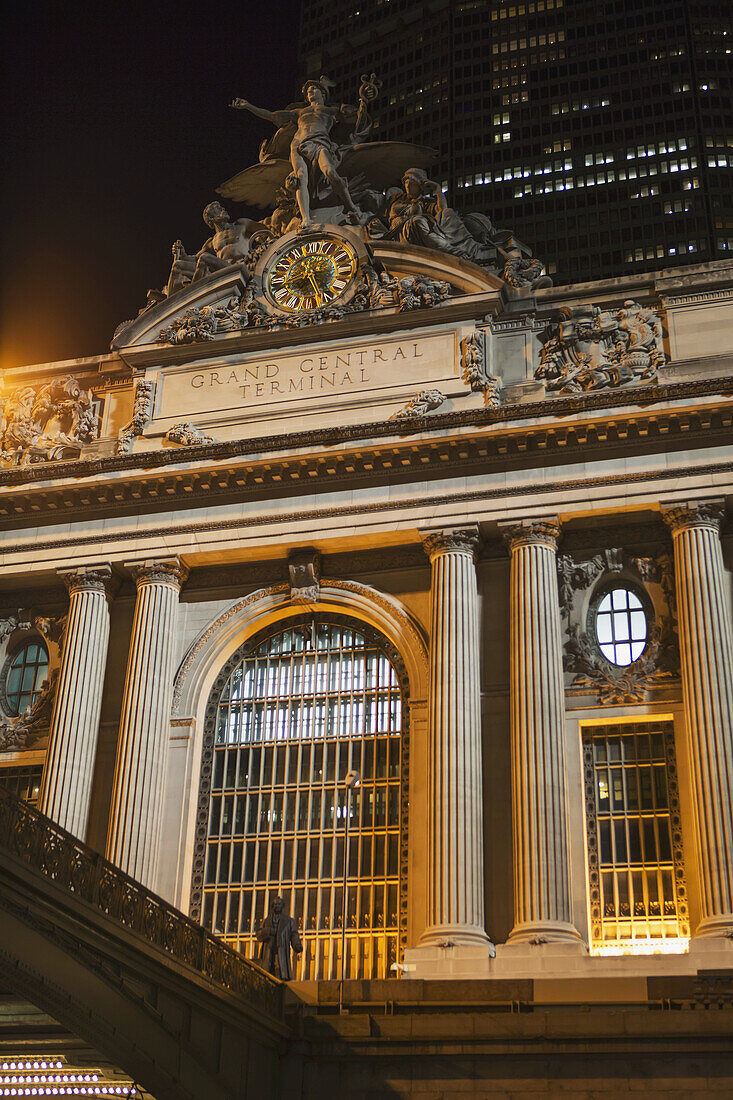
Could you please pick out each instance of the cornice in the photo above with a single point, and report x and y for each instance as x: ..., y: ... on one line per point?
x: 489, y: 447
x: 554, y: 409
x: 342, y: 514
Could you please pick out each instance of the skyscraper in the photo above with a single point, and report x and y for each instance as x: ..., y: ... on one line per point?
x: 603, y: 134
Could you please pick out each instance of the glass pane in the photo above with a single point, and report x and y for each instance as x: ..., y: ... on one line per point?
x: 619, y: 599
x: 638, y: 625
x: 621, y: 626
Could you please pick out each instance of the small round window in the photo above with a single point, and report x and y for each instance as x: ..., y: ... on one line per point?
x: 26, y: 672
x: 621, y: 626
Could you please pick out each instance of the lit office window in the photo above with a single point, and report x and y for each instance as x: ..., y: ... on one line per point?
x: 638, y: 897
x: 23, y: 782
x: 298, y: 711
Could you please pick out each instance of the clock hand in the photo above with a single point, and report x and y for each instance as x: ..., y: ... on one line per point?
x: 319, y: 300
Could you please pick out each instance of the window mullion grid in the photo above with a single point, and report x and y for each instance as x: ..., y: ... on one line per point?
x: 262, y: 792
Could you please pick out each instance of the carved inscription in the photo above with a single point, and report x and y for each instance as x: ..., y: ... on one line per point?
x: 310, y: 374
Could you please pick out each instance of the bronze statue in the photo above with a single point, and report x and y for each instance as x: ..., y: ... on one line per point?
x: 278, y: 935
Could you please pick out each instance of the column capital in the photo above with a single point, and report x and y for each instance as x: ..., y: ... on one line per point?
x: 454, y: 540
x: 90, y: 578
x: 544, y: 531
x: 170, y: 571
x: 694, y: 513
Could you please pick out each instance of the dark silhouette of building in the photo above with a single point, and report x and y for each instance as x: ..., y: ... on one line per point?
x: 602, y: 133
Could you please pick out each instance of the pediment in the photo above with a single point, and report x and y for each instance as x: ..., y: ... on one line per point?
x: 214, y: 307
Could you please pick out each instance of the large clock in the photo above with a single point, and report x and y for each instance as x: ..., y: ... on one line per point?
x: 310, y: 273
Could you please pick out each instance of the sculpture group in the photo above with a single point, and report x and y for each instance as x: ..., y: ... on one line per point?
x: 591, y: 349
x: 38, y: 425
x: 320, y: 167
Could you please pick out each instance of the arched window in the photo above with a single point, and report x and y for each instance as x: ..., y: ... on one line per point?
x: 25, y: 673
x: 291, y: 714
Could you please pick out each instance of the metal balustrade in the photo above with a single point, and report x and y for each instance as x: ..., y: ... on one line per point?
x: 47, y: 848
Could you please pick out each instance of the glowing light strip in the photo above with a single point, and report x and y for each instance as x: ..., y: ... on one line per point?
x: 672, y: 945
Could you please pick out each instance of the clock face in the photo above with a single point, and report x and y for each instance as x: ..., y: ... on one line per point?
x: 311, y: 273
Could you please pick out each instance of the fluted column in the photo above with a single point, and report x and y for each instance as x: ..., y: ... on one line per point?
x: 137, y: 800
x: 67, y: 776
x: 455, y: 837
x: 542, y: 897
x: 706, y: 646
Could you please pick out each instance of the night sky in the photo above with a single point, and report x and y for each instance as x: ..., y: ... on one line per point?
x: 117, y: 132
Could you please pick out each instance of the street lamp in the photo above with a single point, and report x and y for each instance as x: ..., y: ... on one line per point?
x: 351, y: 783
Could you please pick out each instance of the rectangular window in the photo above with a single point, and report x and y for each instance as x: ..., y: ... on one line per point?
x: 638, y: 896
x: 24, y: 781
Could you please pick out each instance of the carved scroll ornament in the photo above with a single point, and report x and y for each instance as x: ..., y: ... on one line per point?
x: 592, y: 349
x: 420, y: 405
x: 188, y: 435
x: 52, y: 422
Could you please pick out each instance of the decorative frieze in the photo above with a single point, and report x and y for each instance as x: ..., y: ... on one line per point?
x: 188, y: 435
x: 420, y: 405
x: 51, y: 627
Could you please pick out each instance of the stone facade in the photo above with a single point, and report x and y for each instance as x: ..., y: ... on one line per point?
x: 264, y: 475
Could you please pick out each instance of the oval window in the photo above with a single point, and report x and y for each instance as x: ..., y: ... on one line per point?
x: 26, y: 672
x: 621, y: 626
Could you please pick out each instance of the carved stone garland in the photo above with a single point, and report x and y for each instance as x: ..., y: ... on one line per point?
x: 475, y: 370
x: 142, y: 407
x: 375, y: 292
